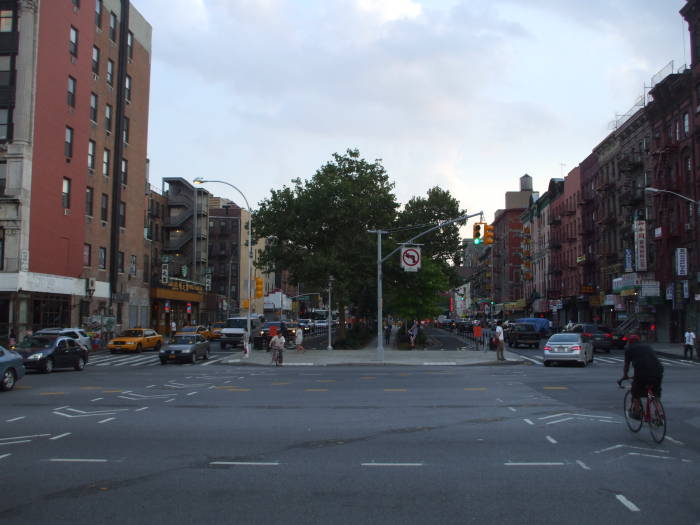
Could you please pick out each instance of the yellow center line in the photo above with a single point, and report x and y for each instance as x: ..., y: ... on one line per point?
x: 556, y: 388
x: 473, y: 389
x: 22, y: 387
x: 51, y: 393
x: 394, y: 390
x: 238, y: 389
x: 315, y: 390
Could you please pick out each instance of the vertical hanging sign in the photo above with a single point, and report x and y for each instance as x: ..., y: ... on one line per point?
x: 681, y: 262
x: 640, y: 245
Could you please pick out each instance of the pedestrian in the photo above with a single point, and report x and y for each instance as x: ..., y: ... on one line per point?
x: 500, y: 341
x: 12, y: 339
x: 173, y: 329
x: 387, y: 333
x: 299, y: 338
x: 689, y: 343
x: 413, y: 333
x: 277, y: 347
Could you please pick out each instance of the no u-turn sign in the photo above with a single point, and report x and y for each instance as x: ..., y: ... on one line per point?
x: 410, y: 258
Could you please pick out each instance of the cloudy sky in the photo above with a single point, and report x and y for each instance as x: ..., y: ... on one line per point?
x: 465, y: 94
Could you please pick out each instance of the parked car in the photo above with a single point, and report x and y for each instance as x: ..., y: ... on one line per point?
x: 185, y: 347
x: 11, y: 368
x: 47, y: 352
x: 76, y: 333
x: 568, y: 346
x: 541, y: 324
x: 195, y: 329
x: 599, y: 336
x: 136, y: 340
x: 522, y: 334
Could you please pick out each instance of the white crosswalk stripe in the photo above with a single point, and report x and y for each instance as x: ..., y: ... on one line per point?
x: 617, y: 361
x: 151, y: 359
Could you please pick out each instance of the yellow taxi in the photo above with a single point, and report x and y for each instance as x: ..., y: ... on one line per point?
x: 216, y: 329
x: 195, y: 329
x: 136, y: 340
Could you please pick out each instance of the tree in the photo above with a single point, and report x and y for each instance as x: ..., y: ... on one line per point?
x: 318, y: 228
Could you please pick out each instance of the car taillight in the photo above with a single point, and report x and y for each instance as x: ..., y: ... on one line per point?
x: 547, y: 347
x: 609, y: 336
x: 576, y: 348
x: 624, y: 338
x: 587, y: 335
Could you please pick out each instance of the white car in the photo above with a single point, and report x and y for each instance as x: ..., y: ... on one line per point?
x: 568, y: 346
x: 74, y: 333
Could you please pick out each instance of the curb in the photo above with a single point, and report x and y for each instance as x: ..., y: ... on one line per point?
x: 241, y: 362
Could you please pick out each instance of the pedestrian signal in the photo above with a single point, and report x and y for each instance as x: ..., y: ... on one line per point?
x: 488, y: 234
x: 476, y: 233
x: 258, y: 287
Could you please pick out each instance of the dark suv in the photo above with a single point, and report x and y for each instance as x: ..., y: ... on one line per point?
x: 601, y: 337
x: 46, y: 352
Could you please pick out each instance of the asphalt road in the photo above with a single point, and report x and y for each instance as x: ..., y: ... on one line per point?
x: 208, y: 443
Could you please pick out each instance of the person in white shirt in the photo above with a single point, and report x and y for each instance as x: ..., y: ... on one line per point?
x: 689, y: 344
x: 500, y: 343
x: 299, y: 338
x: 277, y: 346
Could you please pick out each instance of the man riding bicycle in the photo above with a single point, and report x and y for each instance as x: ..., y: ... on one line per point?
x: 648, y: 371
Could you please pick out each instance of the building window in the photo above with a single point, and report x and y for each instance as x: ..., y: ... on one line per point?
x: 76, y: 3
x: 122, y: 214
x: 4, y: 124
x: 93, y: 107
x: 104, y: 207
x: 98, y: 13
x: 73, y: 44
x: 124, y: 172
x: 91, y: 154
x: 120, y: 262
x: 686, y: 125
x: 87, y: 254
x: 65, y: 193
x: 110, y: 72
x: 105, y: 162
x: 89, y: 200
x: 102, y: 256
x: 132, y: 265
x: 678, y: 131
x: 3, y: 177
x: 108, y: 117
x: 95, y: 59
x: 5, y: 70
x: 112, y: 27
x: 125, y: 132
x: 71, y: 91
x: 68, y: 147
x: 127, y: 88
x: 7, y: 19
x: 130, y: 44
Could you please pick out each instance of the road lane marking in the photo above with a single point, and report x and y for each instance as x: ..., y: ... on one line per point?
x: 531, y: 360
x: 648, y: 455
x: 559, y: 421
x: 51, y: 393
x: 627, y: 503
x: 552, y: 440
x: 394, y: 390
x: 16, y: 442
x: 475, y: 389
x: 247, y: 463
x: 191, y: 393
x: 97, y: 399
x: 582, y: 465
x: 279, y: 384
x: 315, y: 390
x: 511, y: 409
x: 60, y: 436
x: 91, y: 388
x: 141, y: 409
x: 77, y: 460
x: 535, y: 464
x: 3, y: 456
x: 528, y: 421
x: 23, y: 387
x: 150, y: 386
x: 443, y: 363
x: 15, y: 419
x: 24, y: 437
x: 373, y: 464
x: 212, y: 361
x: 169, y: 400
x: 556, y: 388
x: 106, y: 420
x: 674, y: 440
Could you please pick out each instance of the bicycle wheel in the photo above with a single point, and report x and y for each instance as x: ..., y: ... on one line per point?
x: 633, y: 424
x: 657, y: 420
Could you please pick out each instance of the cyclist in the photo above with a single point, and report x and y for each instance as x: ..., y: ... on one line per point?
x: 277, y: 345
x: 648, y: 371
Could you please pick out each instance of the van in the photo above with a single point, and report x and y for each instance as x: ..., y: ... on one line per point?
x: 234, y: 330
x: 541, y: 324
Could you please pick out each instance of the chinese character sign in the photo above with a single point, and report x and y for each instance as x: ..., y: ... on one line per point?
x: 640, y: 245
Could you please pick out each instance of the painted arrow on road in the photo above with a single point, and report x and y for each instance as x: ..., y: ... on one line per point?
x: 74, y: 412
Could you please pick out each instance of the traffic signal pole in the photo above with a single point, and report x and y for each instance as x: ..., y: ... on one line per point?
x: 380, y: 260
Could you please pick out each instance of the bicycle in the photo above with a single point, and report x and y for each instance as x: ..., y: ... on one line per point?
x: 277, y: 356
x: 653, y: 413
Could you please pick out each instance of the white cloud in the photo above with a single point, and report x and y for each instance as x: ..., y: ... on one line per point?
x: 390, y: 10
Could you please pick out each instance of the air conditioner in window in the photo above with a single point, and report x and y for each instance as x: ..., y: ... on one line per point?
x: 94, y: 76
x: 688, y: 226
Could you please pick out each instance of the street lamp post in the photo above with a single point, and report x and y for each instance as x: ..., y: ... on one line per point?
x: 657, y: 190
x: 330, y: 315
x: 200, y: 180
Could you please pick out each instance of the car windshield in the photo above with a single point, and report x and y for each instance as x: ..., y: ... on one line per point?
x: 132, y: 333
x: 564, y: 338
x: 37, y: 342
x: 269, y: 324
x: 183, y: 340
x: 236, y: 323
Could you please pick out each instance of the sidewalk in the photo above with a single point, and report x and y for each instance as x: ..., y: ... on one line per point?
x: 368, y: 357
x: 670, y: 349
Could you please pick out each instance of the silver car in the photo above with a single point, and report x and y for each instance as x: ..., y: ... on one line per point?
x: 185, y: 347
x: 568, y: 346
x: 11, y: 368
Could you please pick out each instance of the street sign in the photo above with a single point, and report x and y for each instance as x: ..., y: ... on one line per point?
x: 164, y: 277
x: 410, y: 258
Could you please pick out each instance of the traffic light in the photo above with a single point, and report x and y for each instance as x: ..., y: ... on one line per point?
x: 246, y: 303
x: 476, y: 233
x: 258, y: 287
x: 488, y: 234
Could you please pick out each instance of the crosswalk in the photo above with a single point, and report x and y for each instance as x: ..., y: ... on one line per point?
x: 143, y: 360
x: 619, y: 361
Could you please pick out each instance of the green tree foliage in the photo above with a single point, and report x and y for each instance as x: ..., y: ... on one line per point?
x: 318, y: 228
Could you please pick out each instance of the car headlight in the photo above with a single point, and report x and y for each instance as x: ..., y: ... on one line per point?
x: 187, y: 351
x: 36, y: 356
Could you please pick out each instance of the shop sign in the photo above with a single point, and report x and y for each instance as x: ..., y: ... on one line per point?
x: 184, y: 286
x: 686, y: 290
x: 669, y: 292
x: 628, y: 260
x: 164, y: 274
x: 555, y: 304
x: 697, y: 296
x: 586, y: 290
x: 650, y: 289
x: 658, y: 232
x: 682, y: 262
x: 640, y: 245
